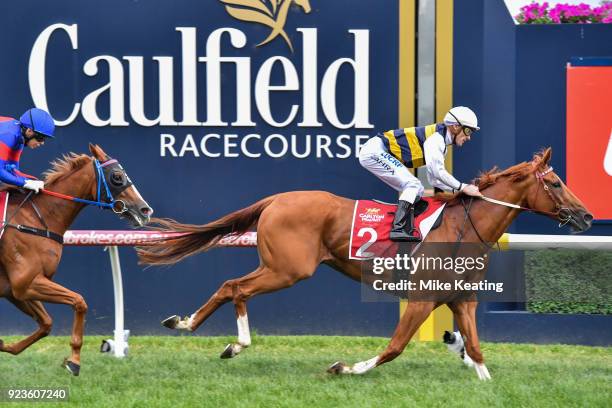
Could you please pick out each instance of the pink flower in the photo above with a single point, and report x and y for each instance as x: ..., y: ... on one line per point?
x: 565, y: 13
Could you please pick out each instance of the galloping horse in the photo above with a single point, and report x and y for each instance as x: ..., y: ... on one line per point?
x: 31, y: 247
x: 297, y: 231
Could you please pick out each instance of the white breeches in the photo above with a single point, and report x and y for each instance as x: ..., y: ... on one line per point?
x: 377, y: 160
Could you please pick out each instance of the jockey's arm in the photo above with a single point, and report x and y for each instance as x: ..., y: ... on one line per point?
x: 436, y: 171
x: 9, y: 177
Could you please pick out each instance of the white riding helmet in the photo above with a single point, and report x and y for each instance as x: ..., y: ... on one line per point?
x: 461, y: 115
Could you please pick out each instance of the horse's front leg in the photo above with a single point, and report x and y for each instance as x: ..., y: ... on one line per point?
x: 465, y: 316
x: 45, y: 290
x: 414, y: 315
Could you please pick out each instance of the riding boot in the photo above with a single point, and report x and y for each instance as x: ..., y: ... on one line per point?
x: 403, y: 224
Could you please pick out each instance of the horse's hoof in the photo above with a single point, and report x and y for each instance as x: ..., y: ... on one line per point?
x: 336, y: 368
x: 72, y: 368
x: 228, y: 352
x: 171, y: 322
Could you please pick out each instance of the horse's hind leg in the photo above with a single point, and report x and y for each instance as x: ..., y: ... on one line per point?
x: 295, y: 257
x: 263, y: 280
x: 224, y: 294
x: 37, y: 311
x: 414, y: 316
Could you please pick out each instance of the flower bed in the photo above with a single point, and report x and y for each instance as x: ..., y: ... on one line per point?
x: 536, y: 13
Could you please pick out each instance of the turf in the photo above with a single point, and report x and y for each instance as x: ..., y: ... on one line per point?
x: 290, y: 371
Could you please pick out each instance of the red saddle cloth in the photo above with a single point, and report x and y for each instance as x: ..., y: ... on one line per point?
x: 372, y: 222
x: 4, y: 195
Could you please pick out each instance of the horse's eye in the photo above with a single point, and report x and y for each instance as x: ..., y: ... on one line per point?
x: 556, y: 184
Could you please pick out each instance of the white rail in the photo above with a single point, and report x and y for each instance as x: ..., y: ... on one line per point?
x: 530, y: 241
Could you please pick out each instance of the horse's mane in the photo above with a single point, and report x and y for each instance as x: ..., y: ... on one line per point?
x: 516, y: 173
x: 64, y: 166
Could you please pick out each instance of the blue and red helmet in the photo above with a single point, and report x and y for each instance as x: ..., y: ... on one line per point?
x: 39, y: 121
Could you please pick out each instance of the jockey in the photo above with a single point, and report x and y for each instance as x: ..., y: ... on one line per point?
x: 389, y: 155
x: 30, y: 130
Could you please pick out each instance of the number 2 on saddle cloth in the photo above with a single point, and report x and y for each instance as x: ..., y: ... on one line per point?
x: 372, y: 222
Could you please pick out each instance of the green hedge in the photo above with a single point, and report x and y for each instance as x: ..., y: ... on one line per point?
x: 568, y: 281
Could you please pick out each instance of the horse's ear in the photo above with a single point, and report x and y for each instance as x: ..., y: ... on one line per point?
x: 547, y: 155
x: 97, y: 152
x: 541, y: 159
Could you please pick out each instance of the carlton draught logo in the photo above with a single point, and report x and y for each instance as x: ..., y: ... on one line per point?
x: 372, y: 215
x: 273, y: 16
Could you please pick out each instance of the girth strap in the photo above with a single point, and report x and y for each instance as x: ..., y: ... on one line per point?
x: 39, y: 232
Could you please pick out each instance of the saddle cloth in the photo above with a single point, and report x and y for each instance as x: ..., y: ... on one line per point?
x: 372, y: 223
x: 4, y: 195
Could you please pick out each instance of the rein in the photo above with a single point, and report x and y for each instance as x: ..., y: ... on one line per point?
x: 467, y: 218
x: 118, y: 184
x: 540, y: 177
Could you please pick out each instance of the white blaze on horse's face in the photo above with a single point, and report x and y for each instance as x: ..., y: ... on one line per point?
x: 140, y: 210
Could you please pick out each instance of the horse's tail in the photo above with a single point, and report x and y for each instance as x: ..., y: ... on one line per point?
x: 197, y: 238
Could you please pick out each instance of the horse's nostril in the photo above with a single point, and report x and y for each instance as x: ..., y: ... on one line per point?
x: 588, y: 218
x: 146, y: 211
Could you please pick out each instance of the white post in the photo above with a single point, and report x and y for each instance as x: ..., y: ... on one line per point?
x: 120, y: 345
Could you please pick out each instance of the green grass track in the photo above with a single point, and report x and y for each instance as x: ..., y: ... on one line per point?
x: 290, y: 372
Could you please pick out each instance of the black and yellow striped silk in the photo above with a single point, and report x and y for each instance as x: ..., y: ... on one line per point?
x: 407, y: 144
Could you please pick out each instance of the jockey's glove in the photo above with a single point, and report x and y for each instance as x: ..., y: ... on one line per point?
x: 34, y: 185
x: 471, y: 190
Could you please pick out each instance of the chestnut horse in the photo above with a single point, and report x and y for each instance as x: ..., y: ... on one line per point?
x: 297, y: 231
x: 29, y: 261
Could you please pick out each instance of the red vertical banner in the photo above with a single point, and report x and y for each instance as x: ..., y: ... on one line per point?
x: 589, y: 137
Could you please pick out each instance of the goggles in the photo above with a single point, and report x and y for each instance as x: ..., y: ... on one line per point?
x: 466, y: 129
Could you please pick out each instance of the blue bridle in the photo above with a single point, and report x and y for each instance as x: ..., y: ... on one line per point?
x: 118, y: 206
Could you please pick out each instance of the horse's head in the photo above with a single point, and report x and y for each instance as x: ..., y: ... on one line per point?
x: 304, y: 4
x: 548, y: 193
x: 116, y: 188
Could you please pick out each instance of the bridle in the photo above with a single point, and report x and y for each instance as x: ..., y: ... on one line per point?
x: 558, y: 213
x: 111, y: 181
x: 559, y: 209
